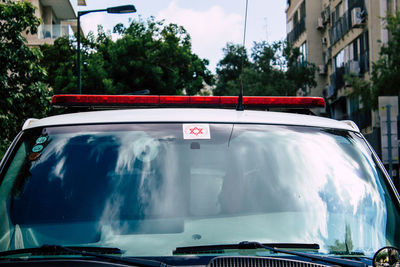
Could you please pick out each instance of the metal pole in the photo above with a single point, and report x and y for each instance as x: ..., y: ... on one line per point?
x: 79, y: 54
x: 389, y: 136
x: 115, y: 10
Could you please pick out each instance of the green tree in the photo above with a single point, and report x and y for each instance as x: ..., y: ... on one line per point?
x: 148, y: 55
x: 361, y: 89
x: 386, y: 71
x: 300, y: 74
x: 59, y: 60
x: 273, y: 69
x: 230, y: 68
x: 22, y: 91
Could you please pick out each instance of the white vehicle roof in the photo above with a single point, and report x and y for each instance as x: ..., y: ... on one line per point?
x: 188, y: 115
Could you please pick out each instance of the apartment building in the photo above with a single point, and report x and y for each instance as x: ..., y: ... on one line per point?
x: 340, y: 37
x: 58, y: 19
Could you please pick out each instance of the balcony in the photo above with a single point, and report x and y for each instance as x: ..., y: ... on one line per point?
x: 352, y: 67
x: 340, y: 27
x: 337, y: 81
x: 298, y: 29
x: 358, y: 67
x: 345, y: 23
x: 54, y: 31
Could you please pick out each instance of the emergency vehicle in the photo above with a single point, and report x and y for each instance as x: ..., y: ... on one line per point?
x: 190, y: 181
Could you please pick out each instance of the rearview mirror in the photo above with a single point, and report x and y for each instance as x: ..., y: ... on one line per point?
x: 387, y: 257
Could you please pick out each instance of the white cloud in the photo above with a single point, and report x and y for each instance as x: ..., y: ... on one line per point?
x: 210, y: 29
x: 90, y: 22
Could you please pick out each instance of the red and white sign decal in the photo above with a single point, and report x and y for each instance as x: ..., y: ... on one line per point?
x: 196, y: 131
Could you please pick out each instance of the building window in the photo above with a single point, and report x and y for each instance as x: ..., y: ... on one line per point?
x: 289, y: 26
x: 337, y: 78
x: 339, y: 60
x: 303, y: 53
x: 296, y: 17
x: 296, y: 26
x: 346, y: 57
x: 355, y: 49
x: 355, y: 3
x: 363, y: 48
x: 337, y: 12
x: 303, y: 10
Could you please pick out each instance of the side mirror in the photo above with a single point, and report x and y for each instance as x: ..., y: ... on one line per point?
x: 387, y: 257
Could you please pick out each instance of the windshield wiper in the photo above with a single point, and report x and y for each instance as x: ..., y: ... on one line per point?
x: 97, y: 252
x: 274, y: 248
x: 215, y: 248
x: 52, y: 250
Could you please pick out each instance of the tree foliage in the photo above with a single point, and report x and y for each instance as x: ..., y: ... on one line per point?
x: 148, y: 55
x: 59, y: 60
x: 385, y: 75
x: 22, y: 91
x: 361, y: 88
x: 386, y: 71
x: 273, y: 69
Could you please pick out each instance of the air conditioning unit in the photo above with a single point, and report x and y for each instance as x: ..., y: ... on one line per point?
x: 320, y: 24
x: 354, y: 67
x: 321, y: 70
x: 325, y: 16
x: 325, y: 58
x: 324, y: 40
x: 356, y: 17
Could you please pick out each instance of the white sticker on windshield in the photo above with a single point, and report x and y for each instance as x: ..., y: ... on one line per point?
x: 196, y: 131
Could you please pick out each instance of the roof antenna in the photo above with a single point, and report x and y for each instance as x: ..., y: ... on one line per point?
x: 240, y: 106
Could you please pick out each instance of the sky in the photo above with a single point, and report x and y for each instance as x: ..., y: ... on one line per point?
x: 210, y: 23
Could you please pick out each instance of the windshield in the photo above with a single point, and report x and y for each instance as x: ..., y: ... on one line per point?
x: 149, y: 188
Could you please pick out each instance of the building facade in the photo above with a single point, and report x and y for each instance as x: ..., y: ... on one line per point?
x: 341, y: 37
x: 58, y: 19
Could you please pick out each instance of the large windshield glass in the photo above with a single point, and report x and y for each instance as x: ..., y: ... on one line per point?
x: 149, y: 188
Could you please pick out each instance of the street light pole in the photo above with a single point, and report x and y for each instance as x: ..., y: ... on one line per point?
x: 79, y: 55
x: 112, y: 10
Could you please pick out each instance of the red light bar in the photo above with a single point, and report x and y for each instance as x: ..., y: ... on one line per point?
x: 111, y: 101
x: 178, y: 100
x: 205, y: 100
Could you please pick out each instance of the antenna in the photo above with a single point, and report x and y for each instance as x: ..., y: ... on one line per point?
x: 266, y: 28
x: 240, y: 99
